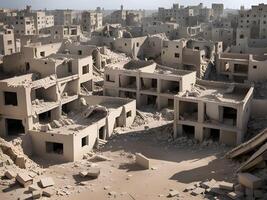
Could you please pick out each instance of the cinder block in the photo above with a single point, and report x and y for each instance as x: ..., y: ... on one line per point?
x: 142, y: 161
x: 250, y: 181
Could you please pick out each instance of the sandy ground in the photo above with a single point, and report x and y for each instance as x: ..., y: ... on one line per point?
x: 173, y: 167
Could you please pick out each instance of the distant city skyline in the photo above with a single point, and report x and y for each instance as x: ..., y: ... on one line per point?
x: 115, y: 4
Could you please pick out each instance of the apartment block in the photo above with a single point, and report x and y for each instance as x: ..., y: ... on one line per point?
x: 60, y: 32
x: 148, y: 83
x: 63, y: 17
x: 125, y: 17
x: 7, y: 40
x: 242, y: 67
x: 91, y: 21
x: 170, y: 29
x: 213, y: 110
x: 217, y: 9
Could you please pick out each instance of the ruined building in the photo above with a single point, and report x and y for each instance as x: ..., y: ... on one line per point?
x: 147, y: 82
x: 215, y: 110
x: 49, y: 97
x: 91, y: 21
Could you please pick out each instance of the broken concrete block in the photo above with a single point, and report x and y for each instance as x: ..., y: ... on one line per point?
x: 235, y: 195
x: 250, y: 181
x: 142, y: 161
x: 48, y: 192
x: 226, y: 185
x: 37, y: 194
x: 83, y: 174
x: 208, y: 184
x: 93, y: 172
x: 47, y: 182
x: 173, y: 193
x: 24, y: 179
x: 197, y: 191
x: 10, y: 174
x: 20, y: 162
x: 34, y: 187
x: 189, y: 188
x: 56, y: 124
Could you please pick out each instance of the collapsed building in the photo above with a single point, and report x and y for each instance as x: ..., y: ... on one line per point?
x: 147, y: 82
x: 195, y: 55
x: 49, y: 97
x: 215, y: 110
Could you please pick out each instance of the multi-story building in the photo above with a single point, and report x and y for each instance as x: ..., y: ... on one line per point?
x: 147, y: 82
x: 242, y: 67
x: 213, y: 110
x: 7, y: 40
x: 51, y: 101
x: 60, y: 32
x: 64, y: 17
x: 185, y: 16
x: 23, y: 25
x: 170, y: 29
x: 190, y: 54
x: 252, y: 23
x: 91, y: 21
x: 125, y: 17
x: 42, y: 20
x: 217, y: 9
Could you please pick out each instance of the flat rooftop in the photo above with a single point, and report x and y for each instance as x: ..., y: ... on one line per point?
x: 135, y: 65
x: 217, y: 91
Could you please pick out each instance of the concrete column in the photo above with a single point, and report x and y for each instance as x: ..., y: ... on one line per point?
x: 239, y: 137
x: 199, y: 135
x: 201, y: 111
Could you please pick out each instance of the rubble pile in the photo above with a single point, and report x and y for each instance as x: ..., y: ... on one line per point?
x: 252, y: 174
x: 12, y: 153
x: 212, y: 188
x: 113, y: 57
x: 144, y: 117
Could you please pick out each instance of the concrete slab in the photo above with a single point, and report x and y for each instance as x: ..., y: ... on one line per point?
x: 142, y: 161
x: 226, y: 185
x: 48, y: 192
x: 24, y: 179
x: 249, y: 180
x: 93, y: 172
x: 47, y: 182
x: 10, y: 174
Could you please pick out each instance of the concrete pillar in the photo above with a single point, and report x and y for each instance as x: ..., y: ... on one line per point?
x: 199, y: 135
x: 201, y: 111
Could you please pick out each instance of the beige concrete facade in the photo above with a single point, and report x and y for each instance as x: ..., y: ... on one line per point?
x: 52, y: 102
x: 63, y: 17
x: 242, y: 67
x: 7, y: 41
x: 146, y: 82
x: 215, y: 110
x: 189, y: 54
x: 125, y: 17
x: 60, y: 32
x: 91, y: 21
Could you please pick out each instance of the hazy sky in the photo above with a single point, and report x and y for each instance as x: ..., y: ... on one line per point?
x: 115, y: 4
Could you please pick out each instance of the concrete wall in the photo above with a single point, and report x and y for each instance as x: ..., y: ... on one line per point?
x: 259, y: 108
